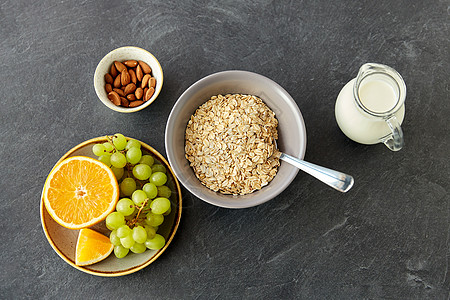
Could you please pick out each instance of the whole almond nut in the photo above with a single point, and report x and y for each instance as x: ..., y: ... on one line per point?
x: 135, y: 103
x: 124, y: 101
x: 146, y: 68
x: 139, y: 93
x: 108, y: 88
x: 130, y: 63
x: 108, y: 78
x: 149, y: 94
x: 139, y: 73
x: 133, y: 76
x: 114, y: 97
x: 113, y: 71
x: 145, y: 80
x: 119, y: 66
x: 152, y: 82
x: 130, y: 88
x: 117, y: 83
x: 125, y: 77
x: 131, y: 97
x: 119, y: 91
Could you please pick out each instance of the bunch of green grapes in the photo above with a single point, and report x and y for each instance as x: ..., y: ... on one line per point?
x: 144, y: 196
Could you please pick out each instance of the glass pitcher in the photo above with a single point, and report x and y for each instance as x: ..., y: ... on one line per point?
x: 370, y: 108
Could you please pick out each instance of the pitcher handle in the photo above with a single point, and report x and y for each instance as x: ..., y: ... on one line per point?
x: 395, y: 141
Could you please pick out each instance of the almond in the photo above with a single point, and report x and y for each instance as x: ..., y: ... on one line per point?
x: 125, y: 77
x: 146, y: 68
x: 133, y: 76
x: 124, y: 101
x: 131, y: 97
x: 130, y: 88
x: 117, y: 82
x: 108, y: 78
x: 149, y: 94
x: 130, y: 63
x: 145, y: 80
x: 119, y: 66
x: 114, y: 97
x: 113, y: 71
x: 135, y: 103
x: 119, y: 91
x: 152, y: 82
x: 108, y: 88
x: 139, y: 93
x: 139, y: 73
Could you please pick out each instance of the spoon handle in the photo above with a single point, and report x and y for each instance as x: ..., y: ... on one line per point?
x: 337, y: 180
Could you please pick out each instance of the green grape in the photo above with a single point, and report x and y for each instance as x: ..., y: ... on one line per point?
x: 98, y: 149
x: 138, y: 197
x: 125, y: 206
x: 108, y: 148
x: 105, y: 159
x: 153, y: 219
x: 158, y: 178
x: 128, y: 186
x: 118, y: 172
x: 160, y: 205
x: 142, y: 171
x: 120, y: 251
x: 123, y: 231
x: 164, y: 191
x: 119, y: 141
x: 138, y: 248
x: 118, y: 160
x: 114, y: 220
x: 132, y: 144
x: 134, y: 155
x: 127, y: 241
x: 139, y: 234
x: 167, y: 212
x: 150, y: 189
x: 158, y: 168
x: 115, y: 240
x: 132, y: 216
x: 155, y: 243
x: 147, y: 159
x: 151, y: 231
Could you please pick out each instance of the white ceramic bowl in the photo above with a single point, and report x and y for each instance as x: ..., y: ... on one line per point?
x: 63, y: 240
x: 291, y: 130
x: 122, y: 54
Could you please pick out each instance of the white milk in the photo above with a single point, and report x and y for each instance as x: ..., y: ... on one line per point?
x: 376, y: 95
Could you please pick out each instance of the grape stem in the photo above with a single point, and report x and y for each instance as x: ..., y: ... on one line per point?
x: 135, y: 220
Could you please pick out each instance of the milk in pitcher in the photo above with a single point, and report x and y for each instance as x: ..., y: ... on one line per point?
x: 364, y: 105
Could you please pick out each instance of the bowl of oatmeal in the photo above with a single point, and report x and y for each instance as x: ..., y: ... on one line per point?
x: 220, y: 139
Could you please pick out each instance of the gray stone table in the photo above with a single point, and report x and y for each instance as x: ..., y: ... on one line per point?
x: 388, y: 238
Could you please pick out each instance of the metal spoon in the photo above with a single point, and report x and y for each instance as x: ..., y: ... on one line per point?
x: 337, y: 180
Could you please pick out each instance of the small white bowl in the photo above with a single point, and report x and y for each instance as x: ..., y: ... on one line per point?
x: 122, y: 54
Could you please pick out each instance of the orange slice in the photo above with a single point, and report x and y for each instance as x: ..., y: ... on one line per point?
x: 92, y: 247
x: 80, y: 192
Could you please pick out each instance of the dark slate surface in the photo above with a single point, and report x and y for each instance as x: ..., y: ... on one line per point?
x: 388, y: 238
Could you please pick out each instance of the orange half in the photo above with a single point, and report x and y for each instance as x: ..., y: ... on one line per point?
x: 80, y: 191
x: 92, y: 247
